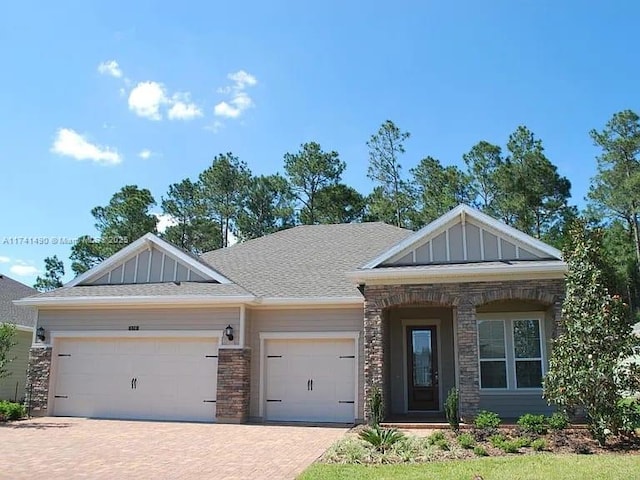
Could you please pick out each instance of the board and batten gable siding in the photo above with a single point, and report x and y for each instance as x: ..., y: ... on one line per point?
x: 465, y: 242
x: 17, y: 368
x: 346, y: 319
x: 148, y: 266
x: 119, y: 319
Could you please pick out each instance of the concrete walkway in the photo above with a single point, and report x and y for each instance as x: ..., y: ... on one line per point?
x: 69, y: 448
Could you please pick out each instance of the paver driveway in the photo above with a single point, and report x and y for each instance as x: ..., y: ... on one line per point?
x: 64, y: 448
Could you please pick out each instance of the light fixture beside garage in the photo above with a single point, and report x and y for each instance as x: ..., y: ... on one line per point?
x: 229, y: 332
x: 40, y: 334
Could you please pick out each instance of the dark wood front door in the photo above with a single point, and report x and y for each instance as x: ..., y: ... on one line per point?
x: 422, y: 368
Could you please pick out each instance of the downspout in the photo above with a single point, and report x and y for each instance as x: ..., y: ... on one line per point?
x: 243, y: 314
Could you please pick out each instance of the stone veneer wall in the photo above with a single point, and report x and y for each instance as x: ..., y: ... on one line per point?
x: 465, y: 297
x: 234, y: 385
x: 38, y: 372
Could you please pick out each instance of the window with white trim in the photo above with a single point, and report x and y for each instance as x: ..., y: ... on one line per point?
x: 510, y: 351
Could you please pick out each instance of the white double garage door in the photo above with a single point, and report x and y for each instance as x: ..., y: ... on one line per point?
x: 175, y: 379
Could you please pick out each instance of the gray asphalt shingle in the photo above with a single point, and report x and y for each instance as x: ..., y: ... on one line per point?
x: 11, y: 290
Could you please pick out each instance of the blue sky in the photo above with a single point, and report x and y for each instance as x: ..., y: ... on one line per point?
x: 88, y: 87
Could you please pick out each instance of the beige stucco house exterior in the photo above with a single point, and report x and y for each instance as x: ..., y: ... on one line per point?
x: 300, y: 325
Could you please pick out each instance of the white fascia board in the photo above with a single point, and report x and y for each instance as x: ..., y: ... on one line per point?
x: 460, y: 273
x: 148, y: 300
x: 141, y: 244
x: 452, y: 215
x: 306, y: 301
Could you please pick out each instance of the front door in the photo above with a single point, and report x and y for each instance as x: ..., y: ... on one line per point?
x: 422, y: 368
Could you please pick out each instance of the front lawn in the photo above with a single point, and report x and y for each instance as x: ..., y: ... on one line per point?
x: 529, y: 467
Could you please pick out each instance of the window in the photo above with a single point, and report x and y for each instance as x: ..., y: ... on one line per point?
x: 510, y: 352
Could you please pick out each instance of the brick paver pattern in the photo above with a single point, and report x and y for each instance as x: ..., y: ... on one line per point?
x: 70, y: 448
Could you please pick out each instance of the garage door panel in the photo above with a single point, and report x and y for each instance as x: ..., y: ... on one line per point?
x: 287, y: 379
x: 173, y: 379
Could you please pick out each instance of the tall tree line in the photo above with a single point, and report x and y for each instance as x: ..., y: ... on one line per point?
x: 515, y: 182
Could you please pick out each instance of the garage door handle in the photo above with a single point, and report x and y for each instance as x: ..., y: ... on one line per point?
x: 308, y: 385
x: 134, y: 383
x: 312, y: 385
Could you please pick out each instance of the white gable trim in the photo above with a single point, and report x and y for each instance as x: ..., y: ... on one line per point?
x: 140, y: 244
x: 450, y: 217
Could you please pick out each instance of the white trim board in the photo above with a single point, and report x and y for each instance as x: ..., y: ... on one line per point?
x: 140, y: 244
x: 461, y: 212
x: 264, y: 336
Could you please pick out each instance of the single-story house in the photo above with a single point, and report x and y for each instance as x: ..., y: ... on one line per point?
x: 12, y: 386
x: 302, y: 324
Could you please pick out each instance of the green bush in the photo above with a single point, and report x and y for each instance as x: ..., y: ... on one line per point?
x: 467, y: 441
x: 497, y: 440
x: 480, y: 451
x: 487, y: 420
x: 381, y: 438
x: 530, y: 423
x: 630, y: 413
x: 558, y: 421
x: 11, y: 410
x: 451, y: 409
x: 523, y: 441
x: 443, y: 445
x: 510, y: 446
x: 539, y: 444
x: 435, y: 437
x: 376, y: 414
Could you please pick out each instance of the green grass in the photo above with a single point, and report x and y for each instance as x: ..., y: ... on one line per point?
x: 530, y: 467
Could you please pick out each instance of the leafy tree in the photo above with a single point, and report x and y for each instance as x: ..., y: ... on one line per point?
x: 268, y: 207
x: 309, y: 171
x: 336, y: 204
x: 126, y: 218
x: 224, y: 185
x: 438, y: 189
x: 54, y: 271
x: 533, y: 194
x: 615, y: 190
x: 7, y: 342
x: 483, y: 162
x: 584, y: 369
x: 193, y: 231
x: 392, y: 193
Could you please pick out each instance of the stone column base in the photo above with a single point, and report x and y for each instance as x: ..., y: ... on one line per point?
x: 234, y: 384
x: 38, y: 373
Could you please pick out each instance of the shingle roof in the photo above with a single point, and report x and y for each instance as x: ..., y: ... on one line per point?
x: 147, y: 289
x: 305, y: 261
x: 11, y: 290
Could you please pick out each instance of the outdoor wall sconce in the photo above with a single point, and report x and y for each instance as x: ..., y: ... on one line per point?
x: 40, y: 334
x: 229, y: 332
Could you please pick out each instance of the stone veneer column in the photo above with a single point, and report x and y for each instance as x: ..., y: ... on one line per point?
x: 38, y: 372
x: 373, y: 353
x: 234, y: 383
x: 469, y: 383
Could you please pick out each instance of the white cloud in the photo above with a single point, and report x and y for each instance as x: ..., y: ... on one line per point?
x: 164, y: 221
x: 183, y: 108
x: 145, y: 154
x: 111, y: 68
x: 70, y: 143
x: 215, y: 126
x: 240, y: 100
x: 23, y: 270
x: 146, y: 98
x: 5, y: 259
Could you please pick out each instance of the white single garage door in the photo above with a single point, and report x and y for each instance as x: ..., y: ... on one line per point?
x: 310, y: 380
x: 150, y: 378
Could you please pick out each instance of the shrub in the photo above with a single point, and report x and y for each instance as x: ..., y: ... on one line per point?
x: 630, y: 413
x: 558, y: 421
x: 376, y: 414
x: 523, y: 441
x: 539, y: 444
x: 443, y: 445
x: 347, y: 450
x: 487, y: 420
x: 497, y: 440
x: 530, y: 423
x: 466, y: 440
x: 381, y: 438
x: 11, y: 410
x: 510, y: 446
x: 451, y: 409
x: 435, y: 437
x: 480, y: 451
